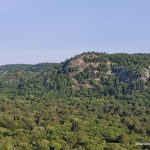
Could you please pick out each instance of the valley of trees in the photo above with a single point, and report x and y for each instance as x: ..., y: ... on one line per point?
x: 93, y: 101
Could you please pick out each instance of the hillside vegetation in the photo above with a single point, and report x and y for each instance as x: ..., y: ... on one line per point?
x: 93, y: 101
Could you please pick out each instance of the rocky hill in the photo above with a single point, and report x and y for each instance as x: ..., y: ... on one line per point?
x: 90, y: 70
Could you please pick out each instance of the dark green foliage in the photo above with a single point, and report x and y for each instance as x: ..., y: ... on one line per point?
x: 73, y: 123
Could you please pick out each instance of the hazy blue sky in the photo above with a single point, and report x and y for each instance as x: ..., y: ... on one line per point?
x: 34, y: 31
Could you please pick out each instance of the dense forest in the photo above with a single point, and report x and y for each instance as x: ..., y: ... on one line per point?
x: 93, y: 101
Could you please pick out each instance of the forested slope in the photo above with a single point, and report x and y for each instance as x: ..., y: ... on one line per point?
x: 93, y: 101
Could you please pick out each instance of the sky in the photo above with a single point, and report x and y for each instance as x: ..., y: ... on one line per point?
x: 34, y: 31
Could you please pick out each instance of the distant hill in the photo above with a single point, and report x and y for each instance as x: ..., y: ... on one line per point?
x: 14, y: 67
x: 27, y: 67
x: 12, y: 75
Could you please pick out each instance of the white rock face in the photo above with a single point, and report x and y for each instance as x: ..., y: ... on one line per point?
x: 145, y: 74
